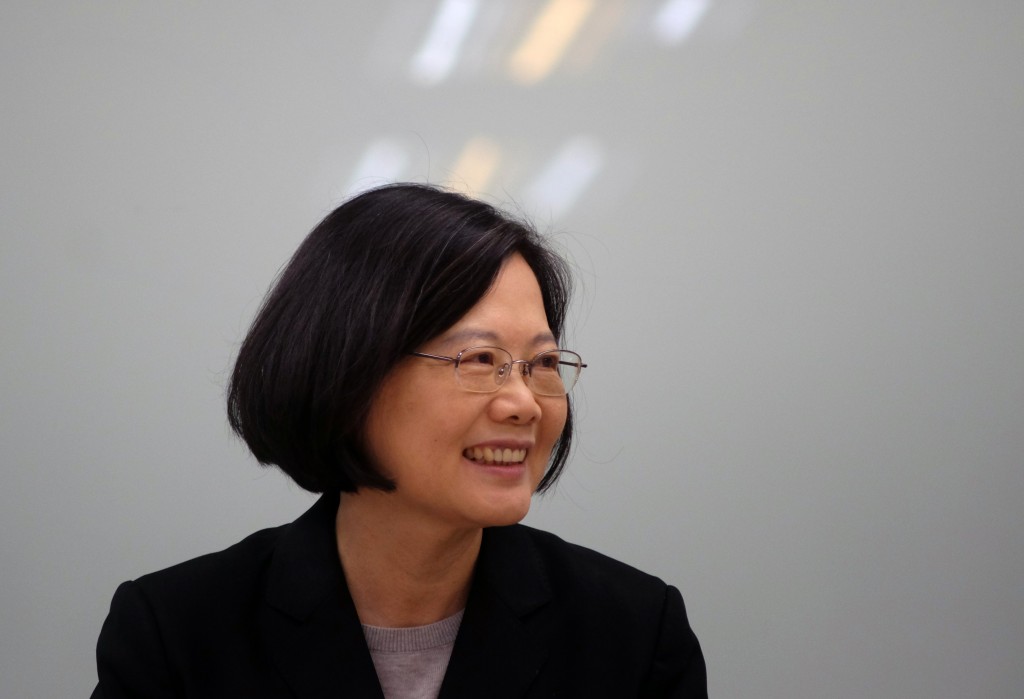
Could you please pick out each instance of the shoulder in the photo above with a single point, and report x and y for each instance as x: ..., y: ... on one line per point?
x: 584, y: 567
x: 163, y: 623
x: 168, y: 629
x: 181, y: 603
x: 612, y: 616
x: 241, y: 573
x: 209, y: 576
x: 233, y: 582
x: 580, y: 578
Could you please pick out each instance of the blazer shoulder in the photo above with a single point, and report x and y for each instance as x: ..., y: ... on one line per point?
x: 624, y: 630
x: 215, y: 575
x: 592, y: 575
x: 558, y: 550
x: 234, y: 579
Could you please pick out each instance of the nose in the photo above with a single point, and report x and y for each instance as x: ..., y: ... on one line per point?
x: 514, y: 400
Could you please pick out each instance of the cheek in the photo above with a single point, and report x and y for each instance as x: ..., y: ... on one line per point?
x: 391, y: 427
x: 554, y: 421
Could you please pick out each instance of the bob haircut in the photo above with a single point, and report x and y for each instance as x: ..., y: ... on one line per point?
x: 381, y: 275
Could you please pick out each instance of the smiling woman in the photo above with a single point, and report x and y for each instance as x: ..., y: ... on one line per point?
x: 423, y: 422
x: 407, y: 366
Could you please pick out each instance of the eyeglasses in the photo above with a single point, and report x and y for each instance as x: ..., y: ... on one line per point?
x: 486, y: 369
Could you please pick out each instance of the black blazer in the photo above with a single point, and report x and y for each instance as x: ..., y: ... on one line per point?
x: 272, y: 617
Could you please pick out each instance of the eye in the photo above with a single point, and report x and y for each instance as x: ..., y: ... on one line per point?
x: 480, y: 357
x: 548, y: 360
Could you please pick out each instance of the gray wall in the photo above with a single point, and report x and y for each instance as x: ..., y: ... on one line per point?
x: 800, y: 255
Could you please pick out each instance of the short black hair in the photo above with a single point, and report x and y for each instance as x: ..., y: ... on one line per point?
x: 381, y: 275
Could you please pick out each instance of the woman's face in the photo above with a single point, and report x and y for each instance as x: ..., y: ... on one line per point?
x: 423, y: 429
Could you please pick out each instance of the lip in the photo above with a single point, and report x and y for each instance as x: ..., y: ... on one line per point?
x: 510, y: 473
x: 502, y: 444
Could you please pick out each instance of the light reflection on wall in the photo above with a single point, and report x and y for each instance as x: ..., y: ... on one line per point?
x: 384, y: 160
x: 439, y: 53
x: 565, y: 176
x: 475, y: 166
x: 519, y: 45
x: 547, y: 40
x: 677, y: 19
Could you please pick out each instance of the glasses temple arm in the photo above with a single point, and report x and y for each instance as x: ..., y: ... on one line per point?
x: 432, y: 356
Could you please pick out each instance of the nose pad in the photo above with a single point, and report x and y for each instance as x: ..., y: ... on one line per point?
x: 525, y: 371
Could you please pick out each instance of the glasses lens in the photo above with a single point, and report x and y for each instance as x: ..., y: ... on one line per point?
x: 555, y: 372
x: 479, y: 369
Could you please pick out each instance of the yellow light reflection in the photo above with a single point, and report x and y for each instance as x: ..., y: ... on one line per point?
x: 607, y: 18
x: 475, y: 166
x: 547, y: 39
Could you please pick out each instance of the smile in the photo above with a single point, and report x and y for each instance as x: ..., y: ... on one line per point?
x: 487, y: 455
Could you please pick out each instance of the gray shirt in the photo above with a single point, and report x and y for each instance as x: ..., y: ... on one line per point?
x: 411, y: 662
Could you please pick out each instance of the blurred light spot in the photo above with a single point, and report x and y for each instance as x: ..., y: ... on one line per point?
x: 566, y: 176
x: 677, y: 19
x: 547, y: 39
x: 383, y: 161
x: 439, y: 53
x: 475, y: 166
x: 607, y: 18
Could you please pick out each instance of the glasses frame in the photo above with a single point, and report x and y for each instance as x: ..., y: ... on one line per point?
x: 503, y: 371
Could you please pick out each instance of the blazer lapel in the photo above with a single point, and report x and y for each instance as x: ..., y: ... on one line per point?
x: 309, y: 624
x: 506, y: 631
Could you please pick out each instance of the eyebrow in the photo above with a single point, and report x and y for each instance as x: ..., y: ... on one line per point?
x: 478, y: 334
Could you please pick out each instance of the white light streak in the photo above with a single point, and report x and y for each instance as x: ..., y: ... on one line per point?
x: 566, y: 176
x: 677, y: 19
x: 439, y: 53
x: 383, y: 161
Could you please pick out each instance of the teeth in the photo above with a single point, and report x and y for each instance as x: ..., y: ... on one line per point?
x: 487, y: 455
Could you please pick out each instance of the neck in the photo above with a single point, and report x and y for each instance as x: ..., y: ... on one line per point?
x: 400, y: 571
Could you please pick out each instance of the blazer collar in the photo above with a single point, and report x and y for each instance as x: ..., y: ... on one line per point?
x: 507, y: 628
x: 313, y: 634
x: 310, y: 626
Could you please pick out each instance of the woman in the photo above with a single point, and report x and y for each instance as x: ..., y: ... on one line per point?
x: 407, y: 366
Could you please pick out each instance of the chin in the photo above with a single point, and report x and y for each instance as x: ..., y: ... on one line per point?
x: 503, y: 514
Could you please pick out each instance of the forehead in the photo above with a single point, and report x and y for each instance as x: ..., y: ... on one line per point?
x: 476, y: 336
x: 512, y: 311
